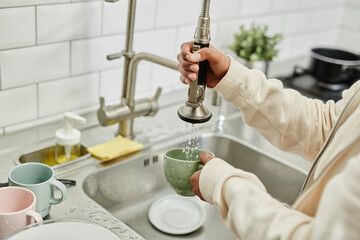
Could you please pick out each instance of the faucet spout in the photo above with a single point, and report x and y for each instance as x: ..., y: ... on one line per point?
x: 128, y: 109
x: 131, y: 80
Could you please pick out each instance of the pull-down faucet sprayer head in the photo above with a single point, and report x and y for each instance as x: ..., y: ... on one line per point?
x: 194, y: 111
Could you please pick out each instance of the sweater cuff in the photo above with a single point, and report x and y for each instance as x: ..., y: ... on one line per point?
x: 215, y: 173
x: 210, y: 175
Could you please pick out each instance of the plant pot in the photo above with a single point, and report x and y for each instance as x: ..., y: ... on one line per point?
x: 261, y: 65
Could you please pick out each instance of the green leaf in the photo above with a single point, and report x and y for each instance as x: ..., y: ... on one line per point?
x: 254, y: 44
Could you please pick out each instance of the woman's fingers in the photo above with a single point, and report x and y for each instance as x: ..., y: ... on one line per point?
x: 205, y: 157
x: 194, y: 181
x: 184, y: 79
x: 185, y: 66
x: 186, y: 49
x: 187, y: 69
x: 195, y: 178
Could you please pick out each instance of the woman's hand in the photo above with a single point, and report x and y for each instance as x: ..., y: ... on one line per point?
x: 194, y: 179
x: 188, y: 64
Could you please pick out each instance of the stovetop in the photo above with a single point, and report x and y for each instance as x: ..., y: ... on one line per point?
x: 302, y: 81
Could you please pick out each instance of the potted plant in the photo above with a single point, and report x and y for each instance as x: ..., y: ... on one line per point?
x: 255, y: 47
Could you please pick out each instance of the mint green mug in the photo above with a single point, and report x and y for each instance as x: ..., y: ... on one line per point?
x: 179, y: 165
x: 38, y: 178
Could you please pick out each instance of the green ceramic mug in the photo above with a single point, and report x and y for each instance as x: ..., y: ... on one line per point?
x: 179, y: 165
x: 38, y: 178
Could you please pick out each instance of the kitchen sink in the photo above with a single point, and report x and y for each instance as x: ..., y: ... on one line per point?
x: 128, y: 188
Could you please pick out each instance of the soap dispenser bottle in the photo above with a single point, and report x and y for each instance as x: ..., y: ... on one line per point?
x: 67, y: 139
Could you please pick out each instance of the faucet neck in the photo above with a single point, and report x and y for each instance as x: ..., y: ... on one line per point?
x: 128, y: 52
x: 128, y: 109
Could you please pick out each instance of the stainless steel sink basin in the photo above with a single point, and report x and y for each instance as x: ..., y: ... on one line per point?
x: 47, y: 156
x: 127, y: 188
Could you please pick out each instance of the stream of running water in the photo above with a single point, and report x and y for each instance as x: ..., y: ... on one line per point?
x: 191, y: 142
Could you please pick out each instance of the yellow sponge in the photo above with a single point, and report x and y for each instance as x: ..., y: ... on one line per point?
x: 117, y: 147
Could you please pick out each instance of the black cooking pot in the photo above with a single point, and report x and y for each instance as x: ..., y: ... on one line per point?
x: 334, y: 66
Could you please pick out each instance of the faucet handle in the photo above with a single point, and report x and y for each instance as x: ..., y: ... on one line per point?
x: 152, y: 104
x: 157, y: 94
x: 102, y: 102
x: 114, y: 56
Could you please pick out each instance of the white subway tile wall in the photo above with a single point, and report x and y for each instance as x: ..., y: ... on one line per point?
x: 17, y: 27
x: 255, y: 7
x: 64, y: 22
x: 68, y: 94
x: 89, y: 55
x: 349, y: 32
x: 160, y: 42
x: 111, y: 85
x: 351, y: 18
x: 297, y: 22
x: 223, y: 35
x: 229, y: 10
x: 320, y: 3
x: 53, y: 52
x: 168, y: 79
x: 143, y: 85
x: 19, y: 3
x: 353, y: 2
x: 173, y: 13
x: 326, y: 18
x: 275, y: 23
x: 115, y: 16
x: 18, y: 105
x: 186, y: 34
x: 285, y: 5
x: 30, y: 65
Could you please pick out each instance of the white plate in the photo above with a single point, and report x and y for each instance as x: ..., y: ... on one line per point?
x: 65, y: 230
x: 175, y: 214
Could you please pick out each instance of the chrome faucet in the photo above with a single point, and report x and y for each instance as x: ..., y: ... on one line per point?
x: 128, y: 109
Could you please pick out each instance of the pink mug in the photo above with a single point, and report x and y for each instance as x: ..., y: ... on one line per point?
x: 17, y: 209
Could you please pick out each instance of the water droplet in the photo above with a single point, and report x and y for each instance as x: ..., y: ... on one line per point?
x: 72, y: 209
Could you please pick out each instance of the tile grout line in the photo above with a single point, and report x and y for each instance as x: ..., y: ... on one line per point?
x: 36, y: 27
x: 70, y: 58
x: 37, y: 101
x: 102, y: 19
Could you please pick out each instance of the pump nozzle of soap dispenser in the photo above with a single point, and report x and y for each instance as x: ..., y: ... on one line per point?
x: 68, y: 138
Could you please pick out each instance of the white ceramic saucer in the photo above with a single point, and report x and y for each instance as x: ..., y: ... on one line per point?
x: 175, y: 214
x: 64, y: 230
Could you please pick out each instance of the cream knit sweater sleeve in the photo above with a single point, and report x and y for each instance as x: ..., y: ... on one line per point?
x: 287, y: 119
x: 252, y: 214
x: 245, y: 207
x: 293, y: 123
